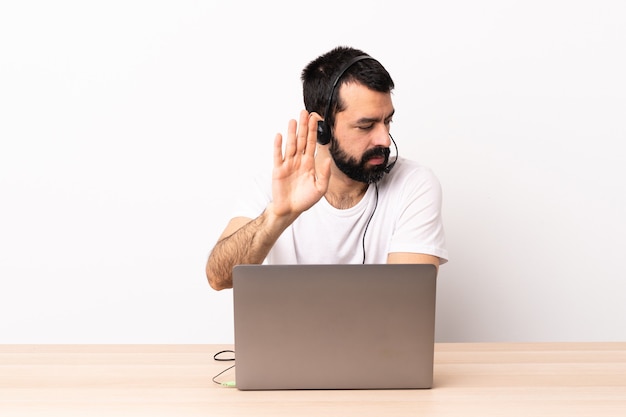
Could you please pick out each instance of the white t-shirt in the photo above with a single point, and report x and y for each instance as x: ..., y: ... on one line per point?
x: 406, y: 218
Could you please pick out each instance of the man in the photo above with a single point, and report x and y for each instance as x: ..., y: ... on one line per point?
x: 334, y: 196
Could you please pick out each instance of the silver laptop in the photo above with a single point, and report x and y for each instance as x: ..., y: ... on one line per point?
x: 334, y: 326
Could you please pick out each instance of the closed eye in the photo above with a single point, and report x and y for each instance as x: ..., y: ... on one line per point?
x: 370, y: 123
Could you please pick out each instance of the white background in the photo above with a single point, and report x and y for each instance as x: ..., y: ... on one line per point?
x: 127, y: 127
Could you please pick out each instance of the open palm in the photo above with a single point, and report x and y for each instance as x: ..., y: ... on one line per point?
x: 296, y: 183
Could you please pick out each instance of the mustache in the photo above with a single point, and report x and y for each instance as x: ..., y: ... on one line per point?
x: 375, y: 152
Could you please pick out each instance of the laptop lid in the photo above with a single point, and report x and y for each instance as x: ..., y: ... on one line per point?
x: 334, y: 326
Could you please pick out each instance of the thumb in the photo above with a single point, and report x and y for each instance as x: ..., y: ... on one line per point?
x: 322, y: 173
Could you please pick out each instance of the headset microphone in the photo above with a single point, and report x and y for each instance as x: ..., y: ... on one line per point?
x: 391, y: 165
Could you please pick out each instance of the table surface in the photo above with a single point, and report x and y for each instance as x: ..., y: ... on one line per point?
x: 470, y: 379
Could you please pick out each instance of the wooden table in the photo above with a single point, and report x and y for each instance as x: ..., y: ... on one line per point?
x: 485, y: 379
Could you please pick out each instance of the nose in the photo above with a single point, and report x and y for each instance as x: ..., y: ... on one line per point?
x: 381, y: 137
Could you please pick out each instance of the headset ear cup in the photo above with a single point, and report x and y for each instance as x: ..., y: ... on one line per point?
x: 323, y: 136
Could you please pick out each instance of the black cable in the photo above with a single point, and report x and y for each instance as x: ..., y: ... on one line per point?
x: 369, y: 220
x: 220, y: 359
x: 221, y: 352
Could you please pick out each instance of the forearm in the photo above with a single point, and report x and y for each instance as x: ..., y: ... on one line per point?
x: 249, y: 244
x: 299, y: 180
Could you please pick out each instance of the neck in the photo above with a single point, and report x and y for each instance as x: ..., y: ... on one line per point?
x: 343, y: 192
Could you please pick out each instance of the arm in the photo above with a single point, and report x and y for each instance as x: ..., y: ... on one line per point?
x: 412, y: 258
x: 244, y: 241
x: 296, y: 186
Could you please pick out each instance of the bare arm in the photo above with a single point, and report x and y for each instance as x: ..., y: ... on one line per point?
x: 296, y: 186
x: 244, y: 241
x: 412, y: 258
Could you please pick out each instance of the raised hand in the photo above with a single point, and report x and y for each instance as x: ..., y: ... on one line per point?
x: 300, y: 178
x: 298, y: 182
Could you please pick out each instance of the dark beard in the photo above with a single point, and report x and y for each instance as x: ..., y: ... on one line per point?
x: 358, y: 170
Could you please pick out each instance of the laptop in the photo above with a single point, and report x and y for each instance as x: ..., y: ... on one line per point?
x: 334, y: 326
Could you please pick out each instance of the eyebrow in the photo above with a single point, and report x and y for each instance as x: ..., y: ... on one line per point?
x: 365, y: 120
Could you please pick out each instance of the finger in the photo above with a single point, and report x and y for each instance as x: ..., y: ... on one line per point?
x: 290, y: 145
x: 323, y: 176
x: 312, y: 136
x: 302, y: 132
x: 278, y: 150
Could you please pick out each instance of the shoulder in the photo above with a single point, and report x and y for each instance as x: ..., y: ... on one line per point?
x: 410, y: 173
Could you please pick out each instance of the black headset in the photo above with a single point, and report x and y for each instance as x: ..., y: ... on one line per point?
x: 323, y: 129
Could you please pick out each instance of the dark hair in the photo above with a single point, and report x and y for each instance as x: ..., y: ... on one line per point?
x: 318, y: 76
